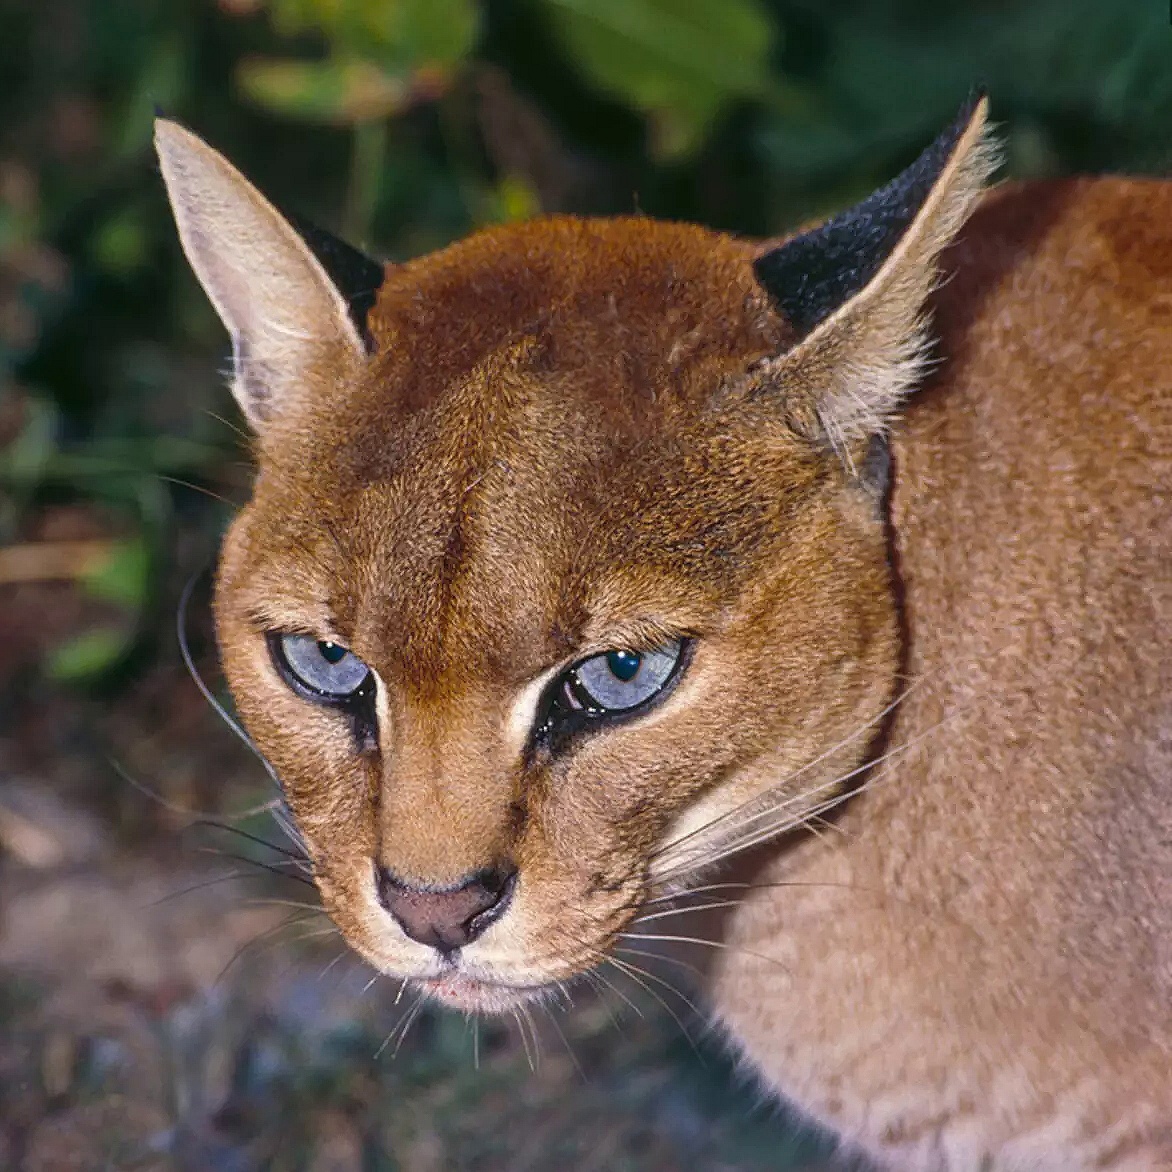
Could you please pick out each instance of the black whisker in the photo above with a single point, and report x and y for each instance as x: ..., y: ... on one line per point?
x: 193, y: 671
x: 200, y: 886
x: 288, y: 922
x: 214, y: 824
x: 272, y: 868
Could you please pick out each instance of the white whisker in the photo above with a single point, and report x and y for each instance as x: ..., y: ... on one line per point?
x: 790, y: 820
x: 866, y: 727
x: 679, y: 911
x: 723, y: 945
x: 636, y: 974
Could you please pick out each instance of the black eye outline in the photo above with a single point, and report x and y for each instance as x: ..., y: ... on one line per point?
x: 358, y: 705
x: 559, y: 722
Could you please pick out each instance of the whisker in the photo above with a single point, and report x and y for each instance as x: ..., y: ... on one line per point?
x: 533, y: 1031
x: 285, y: 824
x: 720, y: 944
x: 755, y: 886
x: 658, y: 979
x: 665, y: 957
x: 524, y: 1036
x: 564, y: 990
x: 792, y: 821
x: 601, y: 978
x: 565, y: 1041
x: 411, y: 1016
x: 240, y: 432
x: 636, y: 974
x: 242, y: 876
x: 333, y: 964
x: 864, y: 728
x: 772, y: 810
x: 678, y: 911
x: 708, y: 887
x: 290, y: 921
x: 291, y: 856
x: 308, y: 934
x: 273, y: 869
x: 401, y: 1027
x: 193, y: 671
x: 174, y: 807
x: 168, y: 479
x: 293, y: 903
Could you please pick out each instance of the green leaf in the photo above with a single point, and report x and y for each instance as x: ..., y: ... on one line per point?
x: 341, y: 92
x: 404, y: 35
x: 88, y: 655
x: 292, y: 17
x: 680, y: 61
x: 423, y: 34
x: 123, y: 577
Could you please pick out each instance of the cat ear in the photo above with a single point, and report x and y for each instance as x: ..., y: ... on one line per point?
x: 278, y: 291
x: 855, y: 287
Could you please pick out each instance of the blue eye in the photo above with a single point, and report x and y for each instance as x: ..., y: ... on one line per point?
x: 325, y: 669
x: 622, y: 679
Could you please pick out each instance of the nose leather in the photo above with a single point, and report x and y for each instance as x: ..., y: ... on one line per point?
x: 447, y: 918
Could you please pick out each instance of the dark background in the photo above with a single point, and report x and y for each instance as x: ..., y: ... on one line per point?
x: 402, y: 124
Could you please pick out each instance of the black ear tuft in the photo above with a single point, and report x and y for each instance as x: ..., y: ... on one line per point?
x: 810, y: 276
x: 355, y: 275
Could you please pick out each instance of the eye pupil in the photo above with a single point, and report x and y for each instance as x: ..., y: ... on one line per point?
x: 624, y: 665
x: 331, y: 652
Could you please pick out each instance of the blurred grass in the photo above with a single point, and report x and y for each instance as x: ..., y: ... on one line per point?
x: 405, y: 124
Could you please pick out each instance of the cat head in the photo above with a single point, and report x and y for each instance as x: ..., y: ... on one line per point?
x: 565, y: 568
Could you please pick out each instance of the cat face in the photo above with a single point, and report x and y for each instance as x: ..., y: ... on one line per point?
x: 564, y: 558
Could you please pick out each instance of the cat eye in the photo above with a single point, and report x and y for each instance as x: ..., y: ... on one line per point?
x: 611, y: 685
x: 318, y: 669
x: 618, y: 680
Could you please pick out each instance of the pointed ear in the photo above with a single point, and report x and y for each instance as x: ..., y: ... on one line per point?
x: 854, y: 289
x: 275, y: 293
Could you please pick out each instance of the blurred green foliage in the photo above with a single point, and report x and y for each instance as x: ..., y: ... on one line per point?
x: 406, y: 123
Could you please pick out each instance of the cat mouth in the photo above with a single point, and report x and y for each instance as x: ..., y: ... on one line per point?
x: 459, y: 990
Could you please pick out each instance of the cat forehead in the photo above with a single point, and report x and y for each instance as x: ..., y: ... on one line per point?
x: 594, y: 292
x: 632, y: 263
x: 526, y: 529
x: 504, y: 549
x: 530, y: 433
x: 552, y: 344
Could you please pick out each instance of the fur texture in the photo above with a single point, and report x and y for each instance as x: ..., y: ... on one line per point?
x: 918, y: 759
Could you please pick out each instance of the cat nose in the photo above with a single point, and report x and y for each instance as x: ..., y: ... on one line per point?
x: 447, y: 918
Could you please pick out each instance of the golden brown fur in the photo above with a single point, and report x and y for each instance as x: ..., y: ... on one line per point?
x: 988, y: 975
x: 577, y: 435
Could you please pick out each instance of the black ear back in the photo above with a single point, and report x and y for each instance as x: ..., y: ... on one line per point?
x: 810, y: 276
x: 355, y: 275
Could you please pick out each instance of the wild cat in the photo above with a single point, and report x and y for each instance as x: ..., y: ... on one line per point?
x: 806, y: 603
